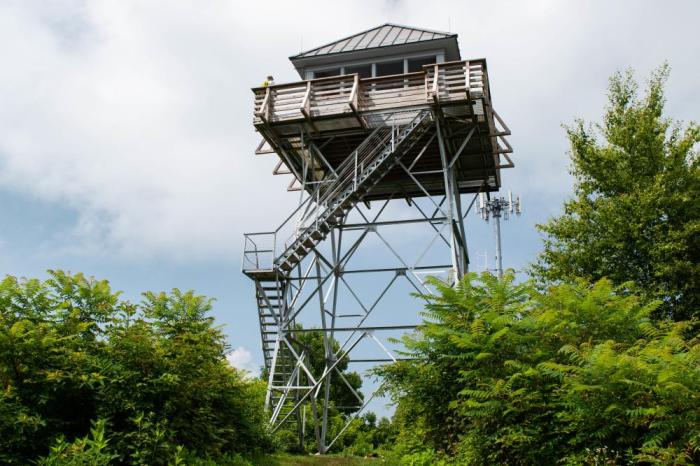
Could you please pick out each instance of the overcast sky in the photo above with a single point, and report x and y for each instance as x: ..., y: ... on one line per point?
x: 126, y: 143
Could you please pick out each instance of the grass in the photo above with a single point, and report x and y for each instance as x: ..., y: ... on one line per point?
x: 309, y: 460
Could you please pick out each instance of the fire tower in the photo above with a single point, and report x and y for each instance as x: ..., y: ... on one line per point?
x: 389, y: 137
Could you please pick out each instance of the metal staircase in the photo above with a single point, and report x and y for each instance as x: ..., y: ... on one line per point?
x: 368, y: 164
x: 325, y: 208
x: 279, y: 361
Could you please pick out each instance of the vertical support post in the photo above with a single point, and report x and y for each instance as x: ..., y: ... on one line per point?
x: 463, y: 252
x: 303, y: 426
x: 499, y: 257
x: 436, y: 88
x: 328, y: 352
x: 300, y: 419
x: 456, y: 248
x: 319, y: 441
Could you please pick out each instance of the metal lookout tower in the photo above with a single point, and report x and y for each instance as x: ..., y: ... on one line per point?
x: 389, y: 138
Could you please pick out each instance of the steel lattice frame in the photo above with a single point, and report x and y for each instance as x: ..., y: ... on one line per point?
x: 316, y: 282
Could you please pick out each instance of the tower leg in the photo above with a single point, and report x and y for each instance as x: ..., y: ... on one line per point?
x: 327, y: 352
x: 454, y: 212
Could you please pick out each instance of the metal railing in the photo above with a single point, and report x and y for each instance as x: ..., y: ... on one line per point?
x: 258, y: 250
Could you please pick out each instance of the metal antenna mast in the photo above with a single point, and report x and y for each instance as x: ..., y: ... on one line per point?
x: 498, y: 207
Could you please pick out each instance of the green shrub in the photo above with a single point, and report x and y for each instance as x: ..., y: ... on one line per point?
x: 92, y: 450
x: 506, y: 374
x: 72, y: 352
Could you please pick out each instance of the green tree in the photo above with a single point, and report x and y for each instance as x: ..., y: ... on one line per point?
x: 342, y: 394
x: 635, y: 214
x: 578, y: 374
x: 86, y: 375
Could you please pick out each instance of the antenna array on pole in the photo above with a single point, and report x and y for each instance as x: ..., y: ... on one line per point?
x: 498, y: 207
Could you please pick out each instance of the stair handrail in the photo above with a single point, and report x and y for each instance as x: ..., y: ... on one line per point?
x: 397, y: 135
x: 343, y: 183
x: 349, y: 174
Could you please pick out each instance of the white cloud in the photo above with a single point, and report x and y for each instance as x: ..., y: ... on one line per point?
x: 137, y: 115
x: 241, y: 358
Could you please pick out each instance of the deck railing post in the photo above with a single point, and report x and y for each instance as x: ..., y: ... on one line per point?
x: 467, y: 78
x: 353, y: 101
x: 436, y: 89
x: 306, y: 102
x: 264, y: 112
x: 425, y: 79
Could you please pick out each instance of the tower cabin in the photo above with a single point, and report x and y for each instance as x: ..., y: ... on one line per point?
x: 383, y: 78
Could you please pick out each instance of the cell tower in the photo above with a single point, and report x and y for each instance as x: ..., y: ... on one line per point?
x: 386, y: 133
x: 498, y: 207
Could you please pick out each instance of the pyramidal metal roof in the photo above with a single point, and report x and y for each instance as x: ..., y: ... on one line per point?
x: 381, y: 36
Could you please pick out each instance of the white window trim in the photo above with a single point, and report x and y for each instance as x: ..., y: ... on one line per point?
x: 439, y: 55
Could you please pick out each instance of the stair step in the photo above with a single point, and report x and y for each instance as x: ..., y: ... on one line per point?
x: 286, y: 266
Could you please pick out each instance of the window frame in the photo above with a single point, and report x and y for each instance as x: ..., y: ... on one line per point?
x: 439, y: 55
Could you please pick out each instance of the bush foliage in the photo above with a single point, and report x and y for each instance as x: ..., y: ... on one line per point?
x: 86, y: 374
x: 507, y: 374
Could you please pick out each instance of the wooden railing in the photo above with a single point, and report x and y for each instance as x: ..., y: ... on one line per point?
x: 449, y: 81
x: 338, y: 95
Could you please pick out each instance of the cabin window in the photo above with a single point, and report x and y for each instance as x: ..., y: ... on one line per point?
x: 416, y: 64
x: 327, y: 73
x: 365, y: 71
x: 389, y: 68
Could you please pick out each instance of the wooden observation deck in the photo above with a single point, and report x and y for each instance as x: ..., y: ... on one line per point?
x: 320, y: 122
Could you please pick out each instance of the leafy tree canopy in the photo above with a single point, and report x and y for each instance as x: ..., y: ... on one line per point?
x: 99, y: 379
x: 635, y: 214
